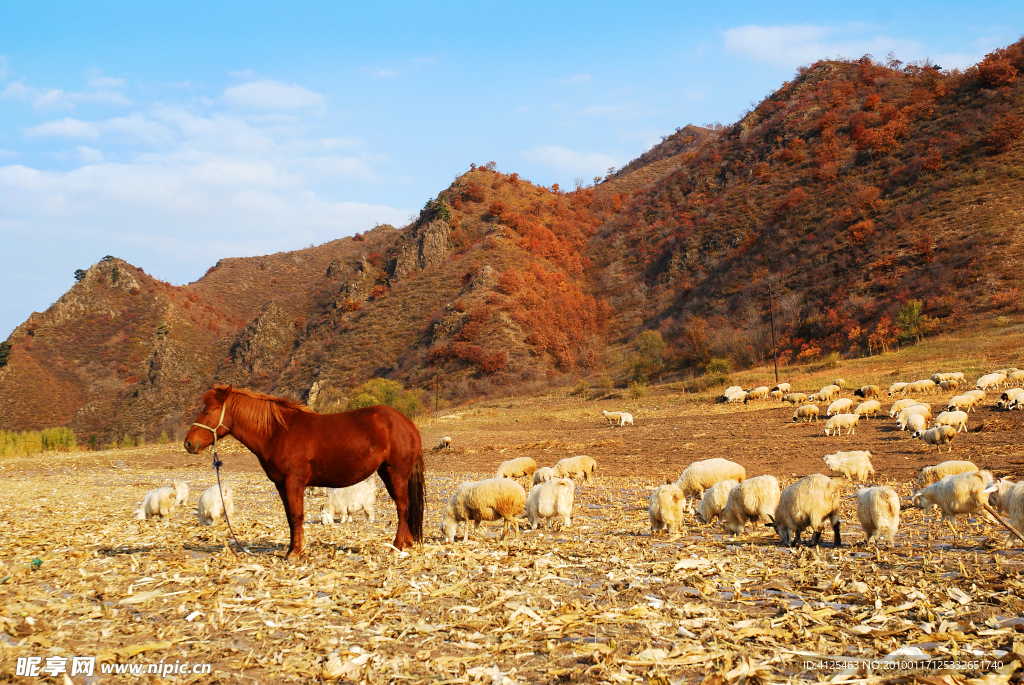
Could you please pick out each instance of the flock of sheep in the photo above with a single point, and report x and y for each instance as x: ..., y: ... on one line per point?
x: 720, y: 486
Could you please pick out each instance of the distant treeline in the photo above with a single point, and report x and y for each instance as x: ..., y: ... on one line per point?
x: 27, y: 443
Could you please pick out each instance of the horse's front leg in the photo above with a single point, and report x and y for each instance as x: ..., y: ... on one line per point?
x: 293, y: 497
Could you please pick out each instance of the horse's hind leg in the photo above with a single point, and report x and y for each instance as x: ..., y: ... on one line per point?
x: 397, y: 484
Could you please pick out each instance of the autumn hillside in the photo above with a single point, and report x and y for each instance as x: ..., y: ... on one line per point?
x: 878, y: 203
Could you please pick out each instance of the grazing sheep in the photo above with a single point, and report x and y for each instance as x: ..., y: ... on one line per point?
x: 808, y: 503
x: 949, y: 385
x: 808, y: 413
x: 828, y: 393
x: 939, y: 377
x: 665, y: 509
x: 570, y: 467
x: 1016, y: 403
x: 737, y: 397
x: 614, y: 417
x: 919, y: 408
x: 1000, y: 499
x: 701, y: 475
x: 900, y: 405
x: 543, y: 475
x: 980, y: 394
x: 1015, y: 377
x: 625, y: 419
x: 344, y: 502
x: 868, y: 409
x: 916, y: 422
x: 211, y: 508
x: 896, y: 388
x: 840, y: 421
x: 919, y: 387
x: 758, y: 393
x: 933, y: 474
x: 795, y: 398
x: 839, y: 406
x: 964, y: 493
x: 1009, y: 500
x: 841, y: 383
x: 159, y: 502
x: 445, y: 444
x: 878, y: 509
x: 714, y: 500
x: 724, y: 397
x: 776, y: 395
x: 180, y: 493
x: 1007, y: 397
x: 484, y: 500
x: 927, y: 385
x: 867, y: 391
x: 784, y: 387
x: 938, y: 436
x: 956, y: 419
x: 966, y: 402
x: 854, y: 465
x: 516, y: 468
x: 550, y: 499
x: 990, y: 380
x: 754, y: 500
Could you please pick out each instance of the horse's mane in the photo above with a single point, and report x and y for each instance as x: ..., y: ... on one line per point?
x: 257, y: 410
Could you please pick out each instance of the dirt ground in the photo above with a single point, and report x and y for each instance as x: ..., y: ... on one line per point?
x: 604, y: 601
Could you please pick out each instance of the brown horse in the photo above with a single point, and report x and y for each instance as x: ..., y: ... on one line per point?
x: 299, y: 448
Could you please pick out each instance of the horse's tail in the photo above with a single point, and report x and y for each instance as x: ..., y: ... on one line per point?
x: 416, y: 499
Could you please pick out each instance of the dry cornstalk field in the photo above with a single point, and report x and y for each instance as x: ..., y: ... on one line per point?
x: 602, y: 602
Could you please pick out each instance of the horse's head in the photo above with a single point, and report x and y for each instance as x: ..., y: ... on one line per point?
x: 212, y: 418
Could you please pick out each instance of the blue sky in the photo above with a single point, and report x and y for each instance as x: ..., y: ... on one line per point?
x: 174, y: 134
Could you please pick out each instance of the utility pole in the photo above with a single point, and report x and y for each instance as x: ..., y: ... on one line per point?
x: 775, y: 355
x: 435, y: 395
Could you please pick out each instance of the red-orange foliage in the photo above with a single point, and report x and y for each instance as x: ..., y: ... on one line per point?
x: 793, y: 199
x: 862, y: 231
x: 872, y: 101
x: 510, y: 282
x: 1004, y: 132
x: 997, y: 69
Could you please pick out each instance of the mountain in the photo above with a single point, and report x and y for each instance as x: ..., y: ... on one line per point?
x: 875, y: 202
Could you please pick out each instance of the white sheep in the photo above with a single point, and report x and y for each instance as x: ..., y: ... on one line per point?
x: 625, y: 419
x: 159, y: 502
x: 570, y: 467
x: 868, y: 409
x: 486, y: 500
x: 543, y: 475
x: 949, y: 385
x: 1000, y: 498
x: 752, y: 500
x: 878, y: 509
x: 180, y: 493
x: 211, y: 508
x: 776, y: 395
x: 956, y: 419
x: 933, y: 474
x: 840, y: 383
x: 828, y: 393
x: 840, y: 421
x: 784, y: 387
x: 701, y: 475
x: 938, y: 436
x: 896, y: 388
x: 1008, y: 396
x: 990, y: 380
x: 1010, y: 502
x: 345, y: 502
x: 1016, y: 376
x: 840, y: 406
x: 758, y: 393
x: 1016, y: 403
x: 714, y: 500
x: 795, y: 398
x: 552, y: 498
x: 964, y: 493
x: 962, y: 402
x: 808, y: 413
x: 917, y: 387
x: 446, y: 443
x: 900, y: 405
x: 665, y: 509
x: 516, y: 468
x: 927, y: 385
x: 916, y: 422
x: 980, y: 394
x: 732, y: 389
x: 738, y: 397
x: 614, y: 417
x: 855, y: 465
x: 867, y: 391
x: 808, y: 503
x: 922, y: 409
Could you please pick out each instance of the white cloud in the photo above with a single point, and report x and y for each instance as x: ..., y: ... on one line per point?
x: 568, y: 160
x: 55, y: 98
x: 89, y: 155
x: 67, y: 127
x: 272, y: 95
x: 796, y: 44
